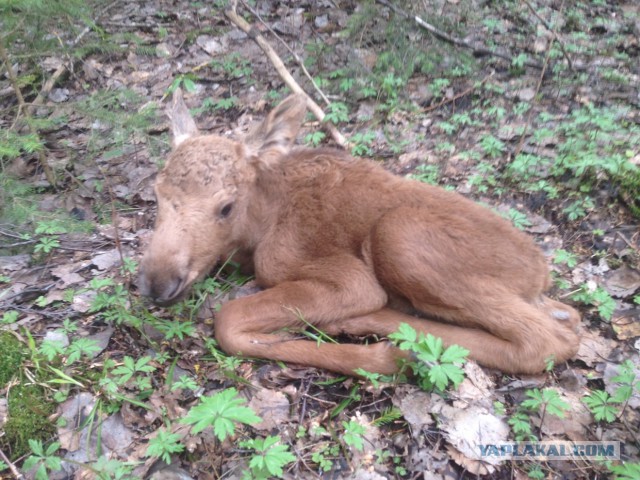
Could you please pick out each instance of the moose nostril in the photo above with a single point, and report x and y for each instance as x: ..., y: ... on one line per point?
x: 172, y: 289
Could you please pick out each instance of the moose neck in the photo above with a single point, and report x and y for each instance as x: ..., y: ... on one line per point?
x: 264, y: 200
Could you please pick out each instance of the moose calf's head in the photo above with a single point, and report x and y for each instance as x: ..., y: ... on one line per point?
x: 204, y: 196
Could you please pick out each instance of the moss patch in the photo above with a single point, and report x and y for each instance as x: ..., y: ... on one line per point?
x: 29, y: 407
x: 13, y: 353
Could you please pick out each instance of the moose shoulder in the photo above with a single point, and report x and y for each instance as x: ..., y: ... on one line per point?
x: 349, y: 248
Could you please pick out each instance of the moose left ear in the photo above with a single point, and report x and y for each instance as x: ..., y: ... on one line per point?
x: 182, y: 124
x: 274, y: 136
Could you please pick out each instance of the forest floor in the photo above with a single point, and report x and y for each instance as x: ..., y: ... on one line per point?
x: 546, y: 131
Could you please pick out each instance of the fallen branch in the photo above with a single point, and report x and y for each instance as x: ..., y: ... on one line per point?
x: 527, y: 124
x: 64, y: 68
x: 454, y: 40
x: 458, y: 95
x: 14, y: 470
x: 553, y: 32
x: 42, y: 158
x: 278, y: 64
x: 295, y: 56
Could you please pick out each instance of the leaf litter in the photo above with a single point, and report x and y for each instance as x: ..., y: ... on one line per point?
x: 434, y: 436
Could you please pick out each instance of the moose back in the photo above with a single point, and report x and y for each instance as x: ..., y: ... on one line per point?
x: 342, y: 244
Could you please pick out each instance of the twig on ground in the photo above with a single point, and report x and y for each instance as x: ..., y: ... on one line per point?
x: 278, y: 64
x: 553, y: 32
x: 290, y: 50
x: 516, y: 152
x: 454, y: 40
x: 459, y: 95
x: 64, y: 68
x: 42, y: 158
x: 14, y: 470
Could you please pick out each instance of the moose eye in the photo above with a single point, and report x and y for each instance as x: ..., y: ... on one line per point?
x: 226, y: 210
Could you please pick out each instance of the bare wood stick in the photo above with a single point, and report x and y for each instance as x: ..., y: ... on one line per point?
x: 278, y: 64
x: 553, y: 32
x: 64, y: 69
x: 14, y: 470
x: 42, y: 158
x: 451, y: 39
x: 459, y: 95
x: 294, y: 54
x: 538, y: 86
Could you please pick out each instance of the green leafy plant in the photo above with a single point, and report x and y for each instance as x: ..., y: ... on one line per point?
x: 185, y: 382
x: 438, y: 86
x: 564, y: 257
x: 51, y: 349
x: 131, y: 367
x: 112, y: 469
x: 222, y: 411
x: 46, y: 245
x: 626, y: 471
x: 427, y: 173
x: 9, y: 317
x: 81, y: 347
x: 535, y: 472
x: 520, y: 423
x: 269, y: 457
x: 545, y: 401
x: 362, y: 142
x: 602, y: 405
x: 185, y: 81
x: 434, y: 366
x: 175, y: 328
x: 43, y: 460
x: 353, y: 434
x: 519, y: 219
x: 492, y: 146
x: 337, y: 112
x: 323, y: 455
x: 598, y: 297
x: 164, y: 444
x: 315, y: 138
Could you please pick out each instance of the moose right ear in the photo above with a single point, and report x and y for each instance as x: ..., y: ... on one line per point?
x: 274, y: 136
x: 182, y: 124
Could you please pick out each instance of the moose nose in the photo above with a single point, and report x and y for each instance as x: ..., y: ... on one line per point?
x: 162, y: 290
x: 168, y: 292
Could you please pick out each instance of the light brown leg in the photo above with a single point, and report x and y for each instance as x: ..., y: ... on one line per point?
x: 246, y: 326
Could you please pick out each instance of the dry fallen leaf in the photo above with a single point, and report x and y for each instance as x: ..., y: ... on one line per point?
x: 467, y: 429
x: 576, y: 419
x: 626, y: 323
x: 476, y: 388
x: 415, y: 406
x: 594, y: 348
x: 623, y: 282
x: 272, y: 406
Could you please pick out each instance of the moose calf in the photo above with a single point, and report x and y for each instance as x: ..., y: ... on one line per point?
x: 342, y: 244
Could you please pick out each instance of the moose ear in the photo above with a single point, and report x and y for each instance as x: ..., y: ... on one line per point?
x: 182, y: 124
x: 273, y: 137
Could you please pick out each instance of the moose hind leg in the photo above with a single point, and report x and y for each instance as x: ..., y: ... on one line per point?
x: 478, y: 288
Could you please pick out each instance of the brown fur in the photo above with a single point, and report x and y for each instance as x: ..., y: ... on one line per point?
x: 350, y: 248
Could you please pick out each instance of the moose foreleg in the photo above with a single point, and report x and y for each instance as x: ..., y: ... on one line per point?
x: 249, y: 326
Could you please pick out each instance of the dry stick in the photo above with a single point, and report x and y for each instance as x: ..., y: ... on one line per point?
x: 42, y: 158
x: 518, y: 149
x: 63, y: 69
x: 14, y: 470
x: 459, y: 95
x: 277, y: 63
x: 553, y: 32
x: 456, y: 41
x: 296, y: 57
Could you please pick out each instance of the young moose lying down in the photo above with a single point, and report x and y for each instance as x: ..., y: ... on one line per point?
x: 349, y: 247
